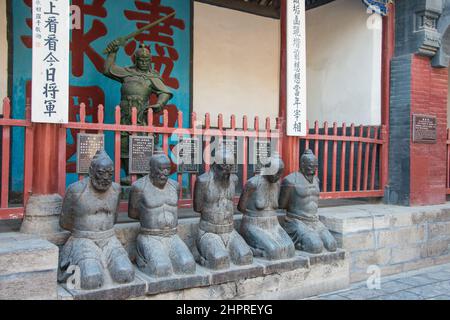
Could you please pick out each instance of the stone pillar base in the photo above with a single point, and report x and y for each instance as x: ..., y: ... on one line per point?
x: 42, y: 218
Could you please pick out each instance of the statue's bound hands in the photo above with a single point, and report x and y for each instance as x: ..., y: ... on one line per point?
x: 113, y: 46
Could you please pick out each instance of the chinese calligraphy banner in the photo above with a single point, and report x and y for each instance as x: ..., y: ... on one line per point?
x: 296, y: 68
x: 51, y: 40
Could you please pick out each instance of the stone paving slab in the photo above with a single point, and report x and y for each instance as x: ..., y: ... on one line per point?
x: 425, y: 284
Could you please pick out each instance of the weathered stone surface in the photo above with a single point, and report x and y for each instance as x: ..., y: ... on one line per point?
x: 364, y: 240
x: 405, y: 254
x: 42, y: 215
x: 324, y: 257
x: 438, y: 230
x: 110, y: 291
x: 235, y: 273
x: 24, y: 253
x: 38, y: 285
x: 279, y: 266
x: 295, y: 284
x: 435, y: 248
x: 400, y: 236
x: 28, y: 267
x: 176, y: 282
x: 361, y: 260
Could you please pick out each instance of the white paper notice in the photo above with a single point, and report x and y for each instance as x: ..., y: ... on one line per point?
x: 51, y: 41
x: 296, y: 68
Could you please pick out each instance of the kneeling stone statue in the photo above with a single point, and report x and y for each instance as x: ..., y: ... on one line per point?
x: 259, y: 204
x: 217, y: 241
x: 89, y: 212
x: 154, y: 201
x: 300, y: 197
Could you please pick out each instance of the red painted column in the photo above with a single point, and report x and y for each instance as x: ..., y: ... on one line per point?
x: 45, y: 159
x: 291, y: 146
x: 429, y: 88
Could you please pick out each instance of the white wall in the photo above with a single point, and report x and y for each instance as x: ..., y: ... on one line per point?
x: 344, y: 63
x: 3, y: 54
x: 236, y: 63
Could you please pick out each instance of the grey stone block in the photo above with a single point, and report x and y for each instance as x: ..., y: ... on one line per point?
x: 235, y: 273
x: 24, y: 253
x: 324, y: 257
x: 177, y: 282
x: 278, y: 266
x: 39, y: 285
x: 110, y: 291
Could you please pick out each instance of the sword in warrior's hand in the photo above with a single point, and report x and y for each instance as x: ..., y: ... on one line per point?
x: 124, y: 40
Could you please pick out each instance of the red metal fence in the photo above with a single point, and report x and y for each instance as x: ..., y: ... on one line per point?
x: 356, y: 179
x: 352, y: 159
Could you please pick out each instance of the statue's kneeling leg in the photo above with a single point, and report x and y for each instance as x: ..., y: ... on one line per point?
x: 263, y: 243
x: 286, y: 243
x: 182, y: 259
x: 312, y: 243
x: 305, y: 238
x: 152, y: 257
x: 119, y: 264
x: 91, y: 274
x: 329, y: 241
x: 212, y: 250
x: 240, y: 252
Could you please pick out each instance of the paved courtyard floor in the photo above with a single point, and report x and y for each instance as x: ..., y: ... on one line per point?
x: 424, y: 284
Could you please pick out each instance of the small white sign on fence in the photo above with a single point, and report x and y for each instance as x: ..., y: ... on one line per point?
x: 296, y: 68
x: 51, y: 41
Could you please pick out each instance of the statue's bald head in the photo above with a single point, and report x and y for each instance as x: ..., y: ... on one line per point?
x: 101, y: 171
x: 159, y: 169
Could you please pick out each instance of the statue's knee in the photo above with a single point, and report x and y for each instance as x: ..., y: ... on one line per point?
x: 241, y: 253
x: 184, y: 263
x: 121, y: 269
x: 329, y: 241
x: 312, y: 243
x: 91, y: 274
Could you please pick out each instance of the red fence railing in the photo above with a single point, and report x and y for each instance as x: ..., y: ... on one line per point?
x: 16, y: 211
x: 350, y: 159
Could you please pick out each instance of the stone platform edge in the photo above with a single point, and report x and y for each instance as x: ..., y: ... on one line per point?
x: 303, y: 276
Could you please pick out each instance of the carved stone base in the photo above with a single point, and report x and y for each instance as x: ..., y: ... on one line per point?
x: 42, y: 215
x: 109, y: 291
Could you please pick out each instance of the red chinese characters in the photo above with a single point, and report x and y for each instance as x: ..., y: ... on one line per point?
x: 162, y: 36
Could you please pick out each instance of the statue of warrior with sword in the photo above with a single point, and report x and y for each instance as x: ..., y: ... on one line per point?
x: 139, y: 82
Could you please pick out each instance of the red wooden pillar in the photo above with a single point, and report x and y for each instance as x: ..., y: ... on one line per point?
x: 45, y: 160
x: 44, y: 205
x: 290, y: 145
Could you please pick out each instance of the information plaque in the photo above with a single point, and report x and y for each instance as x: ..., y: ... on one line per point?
x: 140, y: 151
x: 189, y: 156
x: 87, y: 147
x: 424, y: 128
x: 262, y: 154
